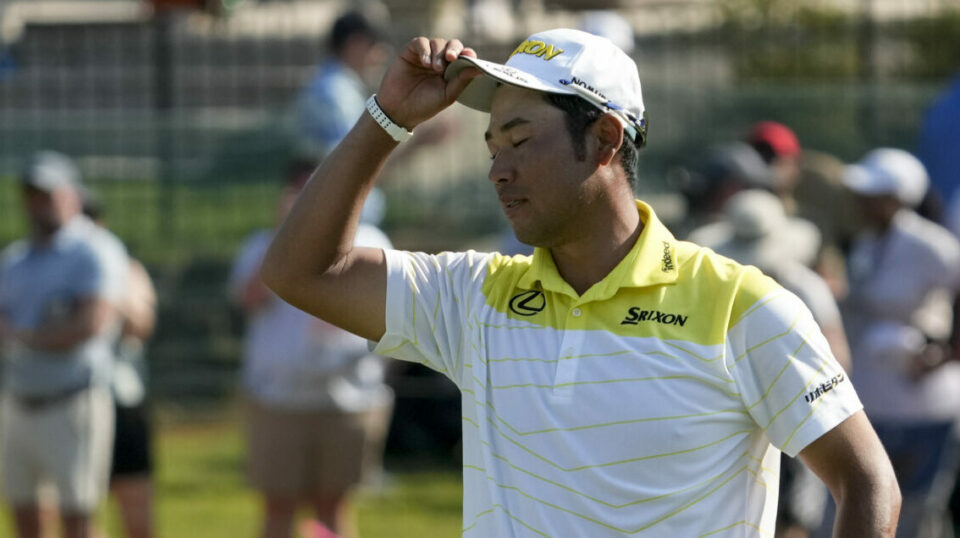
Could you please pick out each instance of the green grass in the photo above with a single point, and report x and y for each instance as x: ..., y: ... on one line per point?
x: 201, y: 492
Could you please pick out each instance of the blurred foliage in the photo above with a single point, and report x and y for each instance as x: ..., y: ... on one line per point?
x: 936, y: 44
x: 785, y: 40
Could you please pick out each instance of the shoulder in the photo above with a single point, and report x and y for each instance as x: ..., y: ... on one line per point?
x: 14, y: 253
x: 449, y: 263
x: 929, y: 235
x: 103, y: 245
x: 713, y: 277
x: 503, y: 272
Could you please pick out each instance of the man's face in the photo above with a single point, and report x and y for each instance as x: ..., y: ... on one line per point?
x: 878, y: 210
x: 540, y: 183
x: 367, y: 57
x: 49, y: 211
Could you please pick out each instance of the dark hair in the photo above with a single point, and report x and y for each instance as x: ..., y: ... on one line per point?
x: 350, y: 24
x: 579, y: 115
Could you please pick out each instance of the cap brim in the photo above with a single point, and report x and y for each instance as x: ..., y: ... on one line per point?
x: 42, y: 183
x: 479, y: 92
x: 860, y: 180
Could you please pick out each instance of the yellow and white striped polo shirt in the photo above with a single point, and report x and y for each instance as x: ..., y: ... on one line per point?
x: 649, y: 406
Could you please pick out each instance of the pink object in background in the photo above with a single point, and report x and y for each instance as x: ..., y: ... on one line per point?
x: 314, y: 529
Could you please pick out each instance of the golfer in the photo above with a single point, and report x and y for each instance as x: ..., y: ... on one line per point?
x: 618, y: 382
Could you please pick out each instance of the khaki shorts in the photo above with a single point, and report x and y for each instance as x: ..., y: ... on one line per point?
x: 305, y: 453
x: 66, y: 444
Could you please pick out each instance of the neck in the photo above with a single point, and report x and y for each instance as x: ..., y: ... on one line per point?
x: 587, y: 260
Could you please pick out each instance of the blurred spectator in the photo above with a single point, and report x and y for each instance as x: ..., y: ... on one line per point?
x: 763, y: 236
x: 132, y: 464
x: 60, y: 291
x: 778, y: 146
x: 810, y: 185
x: 904, y: 275
x: 726, y: 170
x: 317, y: 406
x: 939, y: 140
x: 336, y: 96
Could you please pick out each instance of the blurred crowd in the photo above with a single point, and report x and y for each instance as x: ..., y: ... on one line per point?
x: 871, y: 247
x: 866, y: 246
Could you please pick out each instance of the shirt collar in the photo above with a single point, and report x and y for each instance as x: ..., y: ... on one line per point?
x: 650, y: 262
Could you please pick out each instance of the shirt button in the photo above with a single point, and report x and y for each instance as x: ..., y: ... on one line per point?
x: 576, y: 312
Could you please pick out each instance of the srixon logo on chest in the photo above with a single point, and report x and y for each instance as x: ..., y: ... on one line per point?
x: 637, y: 315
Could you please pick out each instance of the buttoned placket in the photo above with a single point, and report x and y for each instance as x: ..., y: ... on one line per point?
x: 571, y: 344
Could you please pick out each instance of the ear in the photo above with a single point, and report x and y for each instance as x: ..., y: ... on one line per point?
x: 608, y: 137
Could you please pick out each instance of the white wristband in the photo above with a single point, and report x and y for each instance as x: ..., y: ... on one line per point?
x: 398, y: 133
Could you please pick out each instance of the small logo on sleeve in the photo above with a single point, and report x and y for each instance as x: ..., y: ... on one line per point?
x: 528, y: 303
x: 824, y: 388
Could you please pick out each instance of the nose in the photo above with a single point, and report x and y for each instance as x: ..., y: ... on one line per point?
x: 500, y: 170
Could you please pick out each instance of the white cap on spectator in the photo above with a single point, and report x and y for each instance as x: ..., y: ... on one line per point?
x: 889, y: 171
x: 49, y: 171
x: 564, y: 61
x: 763, y: 234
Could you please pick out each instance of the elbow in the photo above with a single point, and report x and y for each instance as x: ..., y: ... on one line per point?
x: 894, y: 497
x: 887, y: 499
x: 272, y: 273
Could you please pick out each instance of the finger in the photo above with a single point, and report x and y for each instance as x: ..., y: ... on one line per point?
x: 467, y: 51
x: 437, y: 47
x: 452, y: 51
x: 417, y: 52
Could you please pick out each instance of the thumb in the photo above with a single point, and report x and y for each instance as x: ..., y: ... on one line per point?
x: 456, y: 86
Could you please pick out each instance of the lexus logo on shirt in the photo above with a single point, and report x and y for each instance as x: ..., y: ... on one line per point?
x: 528, y: 303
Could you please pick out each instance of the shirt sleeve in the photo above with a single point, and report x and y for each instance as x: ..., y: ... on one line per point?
x: 428, y: 301
x: 101, y: 270
x: 787, y: 377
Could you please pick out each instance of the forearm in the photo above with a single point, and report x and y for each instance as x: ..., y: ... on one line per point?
x: 868, y: 513
x: 320, y: 228
x: 140, y: 323
x: 89, y: 318
x: 56, y: 337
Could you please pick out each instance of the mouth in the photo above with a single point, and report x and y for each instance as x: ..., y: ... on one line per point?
x: 510, y: 202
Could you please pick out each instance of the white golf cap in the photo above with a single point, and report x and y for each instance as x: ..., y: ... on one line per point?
x: 564, y: 61
x: 889, y: 171
x: 50, y: 170
x: 764, y: 235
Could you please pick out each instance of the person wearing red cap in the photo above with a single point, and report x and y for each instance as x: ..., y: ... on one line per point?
x: 779, y: 147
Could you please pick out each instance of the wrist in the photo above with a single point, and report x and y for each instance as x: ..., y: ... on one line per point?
x: 386, y: 122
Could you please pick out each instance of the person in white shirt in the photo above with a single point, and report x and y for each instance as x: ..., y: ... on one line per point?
x: 904, y: 274
x: 317, y: 404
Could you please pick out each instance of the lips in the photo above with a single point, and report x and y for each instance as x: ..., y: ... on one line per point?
x: 510, y: 202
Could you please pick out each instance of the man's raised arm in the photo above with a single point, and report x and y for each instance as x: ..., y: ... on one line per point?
x: 312, y: 263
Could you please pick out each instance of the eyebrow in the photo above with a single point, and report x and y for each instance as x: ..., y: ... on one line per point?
x: 506, y: 127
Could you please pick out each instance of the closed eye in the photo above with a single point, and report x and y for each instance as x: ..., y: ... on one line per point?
x: 515, y: 145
